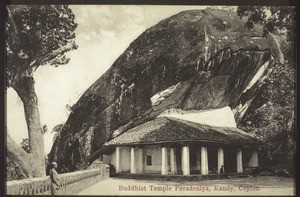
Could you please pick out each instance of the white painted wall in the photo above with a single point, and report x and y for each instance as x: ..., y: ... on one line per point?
x: 139, y: 159
x: 125, y: 160
x: 222, y: 117
x: 141, y: 156
x: 155, y: 152
x: 113, y: 159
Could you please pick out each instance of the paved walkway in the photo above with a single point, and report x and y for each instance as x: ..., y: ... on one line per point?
x: 241, y: 186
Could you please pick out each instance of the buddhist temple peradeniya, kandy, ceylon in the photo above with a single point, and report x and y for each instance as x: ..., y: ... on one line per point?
x: 176, y: 145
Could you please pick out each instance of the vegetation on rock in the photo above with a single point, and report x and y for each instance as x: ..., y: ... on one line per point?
x: 208, y: 51
x: 272, y: 115
x: 25, y: 145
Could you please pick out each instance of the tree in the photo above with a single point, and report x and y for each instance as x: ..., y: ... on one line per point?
x: 44, y: 128
x: 272, y: 114
x: 279, y: 20
x: 272, y: 117
x: 272, y: 17
x: 36, y: 36
x: 57, y: 129
x: 25, y: 144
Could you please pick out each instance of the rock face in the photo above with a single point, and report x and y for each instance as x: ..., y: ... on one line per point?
x: 206, y: 58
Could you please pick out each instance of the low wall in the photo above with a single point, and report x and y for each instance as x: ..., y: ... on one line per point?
x: 70, y: 183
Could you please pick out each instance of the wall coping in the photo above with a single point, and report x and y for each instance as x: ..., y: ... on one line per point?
x: 41, y: 185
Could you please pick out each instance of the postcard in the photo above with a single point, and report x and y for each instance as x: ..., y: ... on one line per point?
x: 166, y: 100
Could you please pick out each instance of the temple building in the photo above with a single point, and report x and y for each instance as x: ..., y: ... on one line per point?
x: 169, y: 145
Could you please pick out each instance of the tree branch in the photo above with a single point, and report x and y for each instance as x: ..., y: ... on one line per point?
x: 47, y: 57
x: 13, y: 39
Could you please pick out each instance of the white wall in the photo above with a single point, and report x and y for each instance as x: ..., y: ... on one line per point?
x: 221, y: 117
x: 155, y: 152
x: 125, y: 159
x: 139, y: 158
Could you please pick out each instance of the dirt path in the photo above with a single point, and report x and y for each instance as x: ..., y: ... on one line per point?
x: 243, y: 186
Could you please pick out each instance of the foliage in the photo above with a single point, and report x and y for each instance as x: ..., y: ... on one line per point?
x: 45, y: 128
x: 25, y: 145
x: 272, y: 17
x: 38, y: 35
x: 272, y: 116
x: 57, y: 128
x: 70, y: 108
x: 12, y: 171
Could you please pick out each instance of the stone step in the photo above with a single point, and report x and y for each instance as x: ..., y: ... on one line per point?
x: 196, y: 177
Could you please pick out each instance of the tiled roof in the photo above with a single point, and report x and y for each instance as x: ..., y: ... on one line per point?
x: 167, y: 130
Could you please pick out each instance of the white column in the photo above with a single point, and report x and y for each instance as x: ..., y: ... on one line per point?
x: 220, y: 158
x: 173, y: 161
x: 253, y: 162
x: 140, y: 160
x: 118, y: 160
x: 239, y: 161
x: 132, y: 161
x: 204, y: 161
x: 164, y: 161
x: 186, y: 160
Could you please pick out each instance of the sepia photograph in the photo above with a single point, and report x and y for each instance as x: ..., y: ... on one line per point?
x: 150, y: 100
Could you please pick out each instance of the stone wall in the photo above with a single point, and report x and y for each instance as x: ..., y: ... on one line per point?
x: 70, y: 183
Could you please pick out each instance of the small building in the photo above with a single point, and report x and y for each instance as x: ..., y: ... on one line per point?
x: 168, y: 145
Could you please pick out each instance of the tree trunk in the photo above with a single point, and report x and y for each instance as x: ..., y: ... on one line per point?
x: 24, y: 86
x: 19, y: 157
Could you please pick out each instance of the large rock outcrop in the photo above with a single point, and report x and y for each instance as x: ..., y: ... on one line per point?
x: 206, y: 57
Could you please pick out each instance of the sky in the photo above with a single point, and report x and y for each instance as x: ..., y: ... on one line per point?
x: 103, y: 34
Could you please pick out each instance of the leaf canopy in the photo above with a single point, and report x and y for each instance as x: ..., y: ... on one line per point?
x: 38, y: 35
x: 272, y: 17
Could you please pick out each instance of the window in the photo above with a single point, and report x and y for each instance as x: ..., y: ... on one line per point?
x: 149, y: 160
